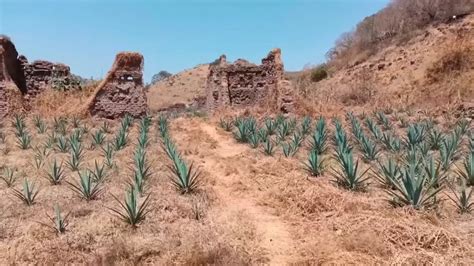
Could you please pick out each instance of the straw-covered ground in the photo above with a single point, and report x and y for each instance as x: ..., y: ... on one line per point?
x: 248, y: 208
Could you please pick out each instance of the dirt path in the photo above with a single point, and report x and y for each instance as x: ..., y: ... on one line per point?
x: 275, y: 237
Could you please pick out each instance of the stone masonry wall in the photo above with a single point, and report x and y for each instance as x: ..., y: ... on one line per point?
x: 243, y: 83
x: 122, y: 92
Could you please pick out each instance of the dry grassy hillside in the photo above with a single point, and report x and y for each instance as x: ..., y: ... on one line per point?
x: 435, y: 68
x: 181, y: 88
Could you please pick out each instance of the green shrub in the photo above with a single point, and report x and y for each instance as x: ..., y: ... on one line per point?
x: 319, y: 73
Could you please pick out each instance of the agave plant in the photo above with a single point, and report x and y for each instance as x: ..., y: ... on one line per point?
x: 413, y: 189
x: 389, y: 173
x: 184, y: 178
x: 60, y: 125
x: 435, y: 139
x: 296, y: 139
x: 86, y: 188
x: 98, y: 173
x: 226, y: 124
x: 28, y: 194
x: 56, y: 173
x: 466, y: 172
x: 283, y: 130
x: 76, y: 158
x: 415, y: 135
x: 370, y: 151
x: 434, y: 174
x: 76, y: 122
x: 462, y: 199
x: 348, y: 174
x: 254, y: 140
x: 449, y: 150
x: 98, y: 137
x: 268, y: 147
x: 356, y: 128
x: 263, y: 135
x: 130, y: 210
x: 319, y: 138
x: 105, y: 127
x: 143, y: 139
x: 108, y: 152
x: 383, y: 120
x: 374, y: 129
x: 305, y: 125
x: 9, y: 177
x: 60, y: 222
x: 62, y: 144
x: 243, y: 130
x: 19, y: 123
x: 315, y: 164
x: 462, y: 126
x: 391, y: 142
x: 121, y: 139
x: 39, y: 124
x: 24, y: 140
x: 288, y: 149
x: 270, y: 126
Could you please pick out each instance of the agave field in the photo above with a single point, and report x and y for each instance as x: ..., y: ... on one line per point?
x: 414, y: 163
x: 194, y: 190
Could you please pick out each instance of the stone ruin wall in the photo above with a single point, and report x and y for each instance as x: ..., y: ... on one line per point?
x: 40, y: 75
x: 20, y: 79
x: 122, y: 92
x: 242, y: 84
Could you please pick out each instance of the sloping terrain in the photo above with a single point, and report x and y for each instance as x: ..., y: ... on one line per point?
x: 412, y: 75
x: 181, y: 88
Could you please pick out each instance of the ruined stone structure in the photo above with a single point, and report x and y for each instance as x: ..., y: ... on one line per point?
x: 42, y: 74
x: 122, y: 91
x: 12, y: 80
x: 246, y: 84
x: 19, y: 79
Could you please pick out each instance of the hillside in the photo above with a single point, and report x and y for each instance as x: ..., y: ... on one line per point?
x: 181, y: 88
x: 434, y: 68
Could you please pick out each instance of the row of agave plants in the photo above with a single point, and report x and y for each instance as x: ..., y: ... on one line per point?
x: 412, y: 170
x: 91, y: 181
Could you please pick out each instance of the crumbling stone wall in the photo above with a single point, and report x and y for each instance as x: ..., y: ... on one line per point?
x: 10, y: 67
x: 43, y: 74
x: 122, y: 92
x: 245, y: 84
x: 11, y: 78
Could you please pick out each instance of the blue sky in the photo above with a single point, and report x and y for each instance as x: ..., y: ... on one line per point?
x: 175, y: 35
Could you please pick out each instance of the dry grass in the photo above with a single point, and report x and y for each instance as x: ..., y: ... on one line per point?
x: 457, y: 57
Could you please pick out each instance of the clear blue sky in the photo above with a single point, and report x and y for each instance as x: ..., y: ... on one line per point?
x: 175, y: 35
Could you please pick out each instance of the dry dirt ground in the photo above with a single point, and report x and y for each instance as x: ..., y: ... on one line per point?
x: 251, y: 209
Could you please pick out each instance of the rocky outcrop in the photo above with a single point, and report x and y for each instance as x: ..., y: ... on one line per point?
x: 246, y: 84
x: 122, y: 91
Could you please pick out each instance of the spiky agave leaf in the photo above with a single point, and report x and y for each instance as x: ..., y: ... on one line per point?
x: 98, y: 137
x: 130, y: 210
x: 86, y: 188
x: 462, y: 199
x: 60, y: 222
x: 184, y: 178
x: 28, y: 193
x: 56, y: 173
x: 315, y: 164
x: 466, y: 172
x: 413, y: 189
x: 268, y: 147
x: 9, y: 177
x: 389, y: 173
x: 98, y: 173
x: 369, y: 149
x: 348, y: 174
